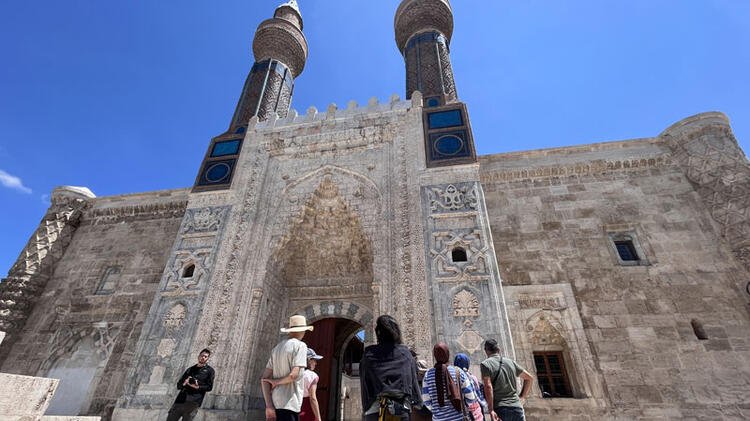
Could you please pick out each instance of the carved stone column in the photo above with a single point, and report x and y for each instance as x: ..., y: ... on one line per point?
x: 708, y: 151
x: 29, y: 275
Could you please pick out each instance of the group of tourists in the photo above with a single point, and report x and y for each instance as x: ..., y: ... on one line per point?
x: 395, y: 384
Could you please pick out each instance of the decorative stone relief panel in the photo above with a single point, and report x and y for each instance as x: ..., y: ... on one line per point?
x: 545, y: 329
x: 467, y: 296
x: 177, y: 280
x: 339, y: 309
x: 471, y: 242
x: 546, y: 318
x: 28, y: 277
x: 713, y: 160
x: 195, y: 246
x: 66, y: 339
x: 166, y: 335
x: 452, y: 197
x: 326, y: 252
x: 208, y: 219
x: 465, y: 304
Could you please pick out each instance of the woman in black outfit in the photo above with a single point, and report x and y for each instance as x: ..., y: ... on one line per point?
x: 389, y: 369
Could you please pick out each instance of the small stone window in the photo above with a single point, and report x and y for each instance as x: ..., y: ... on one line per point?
x: 189, y: 271
x: 459, y: 255
x: 627, y: 249
x: 108, y: 282
x: 552, y: 376
x: 698, y: 330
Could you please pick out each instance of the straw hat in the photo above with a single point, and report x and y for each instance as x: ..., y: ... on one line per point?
x: 297, y: 323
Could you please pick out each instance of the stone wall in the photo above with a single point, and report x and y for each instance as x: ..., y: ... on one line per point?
x: 624, y: 329
x: 88, y: 318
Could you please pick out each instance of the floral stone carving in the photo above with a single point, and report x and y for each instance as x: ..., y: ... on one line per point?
x: 453, y: 197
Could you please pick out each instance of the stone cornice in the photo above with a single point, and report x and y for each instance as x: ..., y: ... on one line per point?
x: 573, y: 170
x: 175, y: 209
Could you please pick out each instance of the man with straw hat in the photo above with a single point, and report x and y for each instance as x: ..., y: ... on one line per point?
x: 282, y: 380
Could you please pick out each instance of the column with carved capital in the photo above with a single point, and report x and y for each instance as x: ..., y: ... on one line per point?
x: 29, y: 275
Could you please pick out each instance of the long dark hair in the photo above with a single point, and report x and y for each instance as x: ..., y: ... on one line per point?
x: 387, y: 330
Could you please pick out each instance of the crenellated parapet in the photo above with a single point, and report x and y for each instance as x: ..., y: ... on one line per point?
x: 373, y: 109
x: 713, y: 160
x: 29, y: 275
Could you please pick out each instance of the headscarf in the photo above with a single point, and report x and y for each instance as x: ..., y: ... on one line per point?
x: 462, y: 361
x: 422, y: 368
x: 442, y: 355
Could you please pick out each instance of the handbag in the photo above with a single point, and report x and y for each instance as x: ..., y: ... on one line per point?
x: 455, y: 387
x: 467, y: 416
x: 454, y: 392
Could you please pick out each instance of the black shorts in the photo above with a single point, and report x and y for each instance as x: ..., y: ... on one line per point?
x: 286, y: 415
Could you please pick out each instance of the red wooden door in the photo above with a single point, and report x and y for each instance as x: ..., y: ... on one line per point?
x: 321, y: 339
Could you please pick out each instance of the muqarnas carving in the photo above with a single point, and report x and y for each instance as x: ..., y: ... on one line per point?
x: 326, y: 248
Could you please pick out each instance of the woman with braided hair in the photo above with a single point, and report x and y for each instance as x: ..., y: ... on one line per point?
x: 436, y: 387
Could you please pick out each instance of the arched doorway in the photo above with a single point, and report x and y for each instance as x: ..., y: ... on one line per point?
x: 341, y: 343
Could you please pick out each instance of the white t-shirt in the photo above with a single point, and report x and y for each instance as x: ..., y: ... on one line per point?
x: 310, y: 378
x: 288, y: 354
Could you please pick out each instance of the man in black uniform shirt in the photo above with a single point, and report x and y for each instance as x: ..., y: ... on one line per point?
x: 193, y: 385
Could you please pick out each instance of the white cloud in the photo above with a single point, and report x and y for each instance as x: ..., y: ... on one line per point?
x: 13, y: 182
x: 45, y: 199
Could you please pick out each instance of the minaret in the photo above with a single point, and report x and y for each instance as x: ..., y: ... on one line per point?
x: 423, y: 34
x: 280, y: 50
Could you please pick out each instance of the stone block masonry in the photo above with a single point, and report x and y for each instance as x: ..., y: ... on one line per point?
x: 554, y: 215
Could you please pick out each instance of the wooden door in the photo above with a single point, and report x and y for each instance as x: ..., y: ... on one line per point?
x: 321, y: 339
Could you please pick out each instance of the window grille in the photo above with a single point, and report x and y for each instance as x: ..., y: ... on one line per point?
x: 552, y: 376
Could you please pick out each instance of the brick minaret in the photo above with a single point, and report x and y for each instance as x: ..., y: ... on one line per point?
x: 423, y: 34
x: 280, y: 50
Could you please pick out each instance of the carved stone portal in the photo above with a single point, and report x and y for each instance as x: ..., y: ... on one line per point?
x: 326, y: 252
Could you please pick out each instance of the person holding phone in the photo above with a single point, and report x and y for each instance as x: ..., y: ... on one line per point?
x: 193, y: 385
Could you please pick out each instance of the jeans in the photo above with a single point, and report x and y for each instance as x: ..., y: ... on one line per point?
x: 286, y: 415
x: 186, y: 411
x: 510, y: 413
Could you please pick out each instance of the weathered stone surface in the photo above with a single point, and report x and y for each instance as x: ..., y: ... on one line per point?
x: 553, y: 213
x: 87, y: 305
x: 24, y: 398
x: 334, y: 214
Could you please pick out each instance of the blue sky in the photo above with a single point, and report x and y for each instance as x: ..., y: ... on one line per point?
x: 124, y: 96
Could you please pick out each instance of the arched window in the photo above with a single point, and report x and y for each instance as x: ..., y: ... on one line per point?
x: 189, y: 271
x: 458, y: 255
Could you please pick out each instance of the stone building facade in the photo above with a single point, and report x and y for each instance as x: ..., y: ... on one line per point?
x: 616, y: 272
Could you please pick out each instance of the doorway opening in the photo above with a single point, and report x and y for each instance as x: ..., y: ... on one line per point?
x: 341, y: 343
